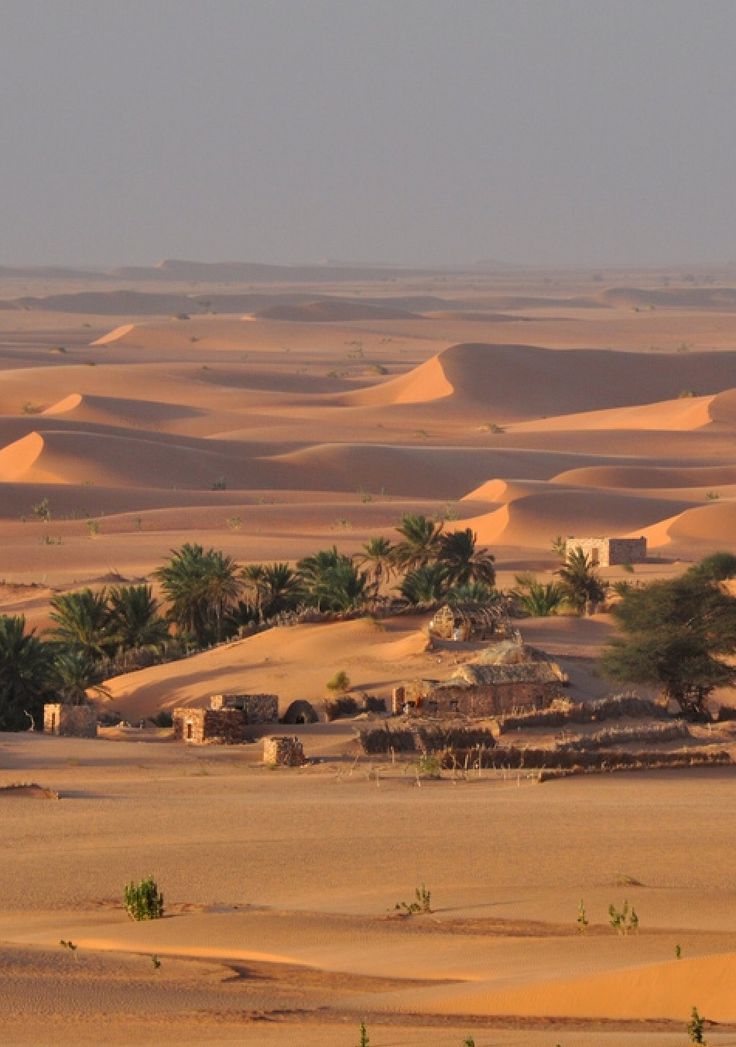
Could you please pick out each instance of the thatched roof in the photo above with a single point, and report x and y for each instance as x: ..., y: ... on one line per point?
x: 473, y: 613
x: 475, y: 674
x: 509, y: 653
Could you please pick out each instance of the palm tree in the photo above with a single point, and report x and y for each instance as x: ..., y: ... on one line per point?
x: 200, y: 587
x: 25, y: 673
x: 463, y: 561
x: 377, y: 558
x: 134, y: 619
x: 252, y: 575
x: 75, y: 672
x: 537, y: 599
x: 582, y: 586
x: 332, y: 582
x: 82, y: 622
x: 425, y: 584
x: 420, y: 542
x: 279, y: 589
x: 474, y: 592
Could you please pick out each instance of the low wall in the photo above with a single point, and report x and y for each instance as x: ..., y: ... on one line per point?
x: 72, y: 721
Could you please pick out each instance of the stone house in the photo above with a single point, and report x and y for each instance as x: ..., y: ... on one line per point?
x: 228, y: 719
x: 207, y: 726
x: 258, y: 708
x: 607, y: 552
x: 72, y: 721
x: 506, y: 676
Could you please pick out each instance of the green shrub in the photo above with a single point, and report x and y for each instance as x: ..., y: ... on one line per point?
x: 696, y: 1027
x: 143, y: 901
x: 339, y: 683
x: 422, y: 902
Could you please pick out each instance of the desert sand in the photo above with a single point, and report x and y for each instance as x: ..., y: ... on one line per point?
x: 272, y: 412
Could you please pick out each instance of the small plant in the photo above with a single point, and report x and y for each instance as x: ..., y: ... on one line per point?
x: 339, y: 683
x: 365, y: 496
x: 363, y: 1041
x: 70, y: 945
x: 492, y: 427
x: 220, y: 484
x: 41, y: 510
x: 143, y: 901
x: 686, y: 394
x: 468, y: 1042
x: 559, y: 546
x: 684, y: 347
x: 422, y: 902
x: 628, y: 568
x: 93, y: 528
x: 623, y: 921
x: 156, y: 962
x: 678, y: 952
x: 49, y: 539
x: 29, y: 408
x: 163, y: 718
x: 428, y: 766
x: 712, y: 496
x: 696, y: 1028
x: 379, y: 369
x: 582, y: 918
x: 137, y: 523
x: 234, y: 522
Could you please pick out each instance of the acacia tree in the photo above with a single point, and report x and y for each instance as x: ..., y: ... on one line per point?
x: 675, y: 635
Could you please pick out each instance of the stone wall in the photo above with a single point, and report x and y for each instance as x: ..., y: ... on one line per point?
x: 259, y: 708
x: 77, y: 721
x: 283, y: 751
x: 211, y: 726
x: 607, y: 552
x: 479, y: 701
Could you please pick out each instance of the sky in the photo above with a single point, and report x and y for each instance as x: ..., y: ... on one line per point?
x: 415, y: 132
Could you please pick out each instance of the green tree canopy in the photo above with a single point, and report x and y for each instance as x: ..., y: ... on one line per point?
x: 675, y: 635
x: 25, y: 674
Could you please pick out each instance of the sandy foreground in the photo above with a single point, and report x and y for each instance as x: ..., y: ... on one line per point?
x: 273, y: 420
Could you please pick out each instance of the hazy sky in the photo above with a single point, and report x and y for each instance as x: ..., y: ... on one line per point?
x: 410, y: 131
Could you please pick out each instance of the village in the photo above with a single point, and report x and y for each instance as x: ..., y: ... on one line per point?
x: 504, y: 704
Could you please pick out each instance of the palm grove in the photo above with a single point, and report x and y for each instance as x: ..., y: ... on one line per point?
x: 674, y: 633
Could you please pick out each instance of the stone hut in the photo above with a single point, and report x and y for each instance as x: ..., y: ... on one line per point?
x: 73, y: 721
x: 211, y: 726
x: 283, y: 751
x: 300, y: 711
x: 471, y: 621
x: 507, y: 676
x: 607, y: 552
x: 258, y: 708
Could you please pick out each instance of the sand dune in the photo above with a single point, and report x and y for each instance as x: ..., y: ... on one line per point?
x: 673, y: 297
x: 326, y: 311
x: 645, y: 477
x: 511, y: 382
x: 117, y: 411
x: 68, y: 457
x: 533, y: 521
x: 662, y: 990
x: 293, y: 662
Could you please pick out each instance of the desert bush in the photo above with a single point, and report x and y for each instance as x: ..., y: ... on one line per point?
x: 339, y: 683
x: 143, y: 901
x: 422, y: 902
x: 163, y: 718
x: 696, y: 1027
x: 372, y: 704
x: 345, y: 705
x: 625, y: 920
